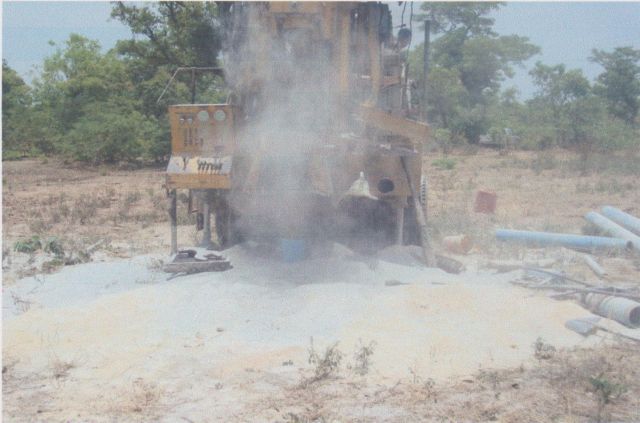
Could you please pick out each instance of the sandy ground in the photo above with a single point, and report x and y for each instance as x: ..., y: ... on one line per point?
x: 212, y: 347
x: 114, y: 340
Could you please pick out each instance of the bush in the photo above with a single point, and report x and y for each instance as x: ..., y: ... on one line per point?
x: 444, y: 163
x: 30, y: 245
x: 109, y: 134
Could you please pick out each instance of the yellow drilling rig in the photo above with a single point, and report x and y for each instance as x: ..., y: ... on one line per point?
x: 317, y: 140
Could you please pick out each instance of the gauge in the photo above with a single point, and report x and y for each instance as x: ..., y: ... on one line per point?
x: 203, y: 116
x: 219, y: 115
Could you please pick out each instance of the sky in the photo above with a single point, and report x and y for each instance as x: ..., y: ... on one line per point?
x: 565, y: 31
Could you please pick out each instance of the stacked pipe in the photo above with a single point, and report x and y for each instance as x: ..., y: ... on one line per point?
x: 622, y: 310
x: 623, y: 228
x: 612, y: 228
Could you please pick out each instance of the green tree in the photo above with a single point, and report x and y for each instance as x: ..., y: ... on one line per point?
x: 560, y: 94
x: 619, y: 84
x: 168, y: 35
x: 469, y: 17
x: 16, y: 100
x: 91, y: 105
x: 566, y: 104
x: 467, y: 49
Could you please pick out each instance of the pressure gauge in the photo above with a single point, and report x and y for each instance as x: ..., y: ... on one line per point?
x: 203, y: 116
x: 219, y: 115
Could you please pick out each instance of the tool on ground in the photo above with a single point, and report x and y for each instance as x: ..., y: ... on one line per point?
x: 186, y: 261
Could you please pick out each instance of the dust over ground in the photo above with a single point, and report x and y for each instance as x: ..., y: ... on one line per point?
x: 114, y: 340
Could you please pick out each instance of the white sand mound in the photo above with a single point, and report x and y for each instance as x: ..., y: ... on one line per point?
x: 119, y: 321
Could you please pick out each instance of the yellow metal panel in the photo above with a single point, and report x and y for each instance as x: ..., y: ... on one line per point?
x: 417, y: 132
x: 202, y: 129
x: 198, y: 181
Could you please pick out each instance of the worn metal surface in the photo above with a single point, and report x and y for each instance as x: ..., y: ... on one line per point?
x: 202, y: 146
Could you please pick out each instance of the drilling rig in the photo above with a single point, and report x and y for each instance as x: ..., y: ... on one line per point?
x: 317, y: 140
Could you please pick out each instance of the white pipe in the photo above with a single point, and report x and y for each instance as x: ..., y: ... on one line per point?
x: 613, y: 229
x: 594, y: 266
x: 630, y: 222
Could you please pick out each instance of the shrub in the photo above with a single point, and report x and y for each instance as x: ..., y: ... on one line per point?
x: 444, y: 163
x: 28, y: 245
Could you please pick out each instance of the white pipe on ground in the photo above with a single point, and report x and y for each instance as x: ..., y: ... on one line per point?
x: 613, y: 229
x: 630, y: 222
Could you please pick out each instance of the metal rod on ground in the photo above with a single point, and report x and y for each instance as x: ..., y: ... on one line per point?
x: 581, y: 290
x: 427, y: 253
x: 613, y: 229
x: 630, y: 222
x: 173, y: 214
x: 594, y: 266
x: 555, y: 274
x: 579, y: 242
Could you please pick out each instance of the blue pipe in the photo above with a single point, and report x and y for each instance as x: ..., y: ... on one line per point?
x: 613, y: 228
x: 579, y: 242
x: 630, y: 222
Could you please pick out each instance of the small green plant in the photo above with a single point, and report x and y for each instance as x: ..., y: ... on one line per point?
x: 444, y: 163
x: 325, y: 365
x: 542, y: 350
x: 362, y: 358
x: 30, y: 245
x: 606, y: 391
x: 52, y: 265
x: 54, y: 246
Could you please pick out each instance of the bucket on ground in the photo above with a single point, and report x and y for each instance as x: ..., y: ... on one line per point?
x: 485, y: 202
x: 293, y: 250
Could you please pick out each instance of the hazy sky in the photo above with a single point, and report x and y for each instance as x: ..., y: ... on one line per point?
x: 565, y: 31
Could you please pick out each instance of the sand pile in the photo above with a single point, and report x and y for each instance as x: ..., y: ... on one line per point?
x: 122, y: 321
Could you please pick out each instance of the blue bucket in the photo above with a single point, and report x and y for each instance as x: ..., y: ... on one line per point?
x: 293, y: 250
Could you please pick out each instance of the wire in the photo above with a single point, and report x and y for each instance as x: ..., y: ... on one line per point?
x: 402, y: 16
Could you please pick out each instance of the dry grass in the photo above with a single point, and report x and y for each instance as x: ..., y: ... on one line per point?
x: 570, y: 386
x: 536, y: 191
x: 60, y: 368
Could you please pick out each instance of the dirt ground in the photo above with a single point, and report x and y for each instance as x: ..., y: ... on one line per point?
x: 536, y: 191
x: 121, y: 214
